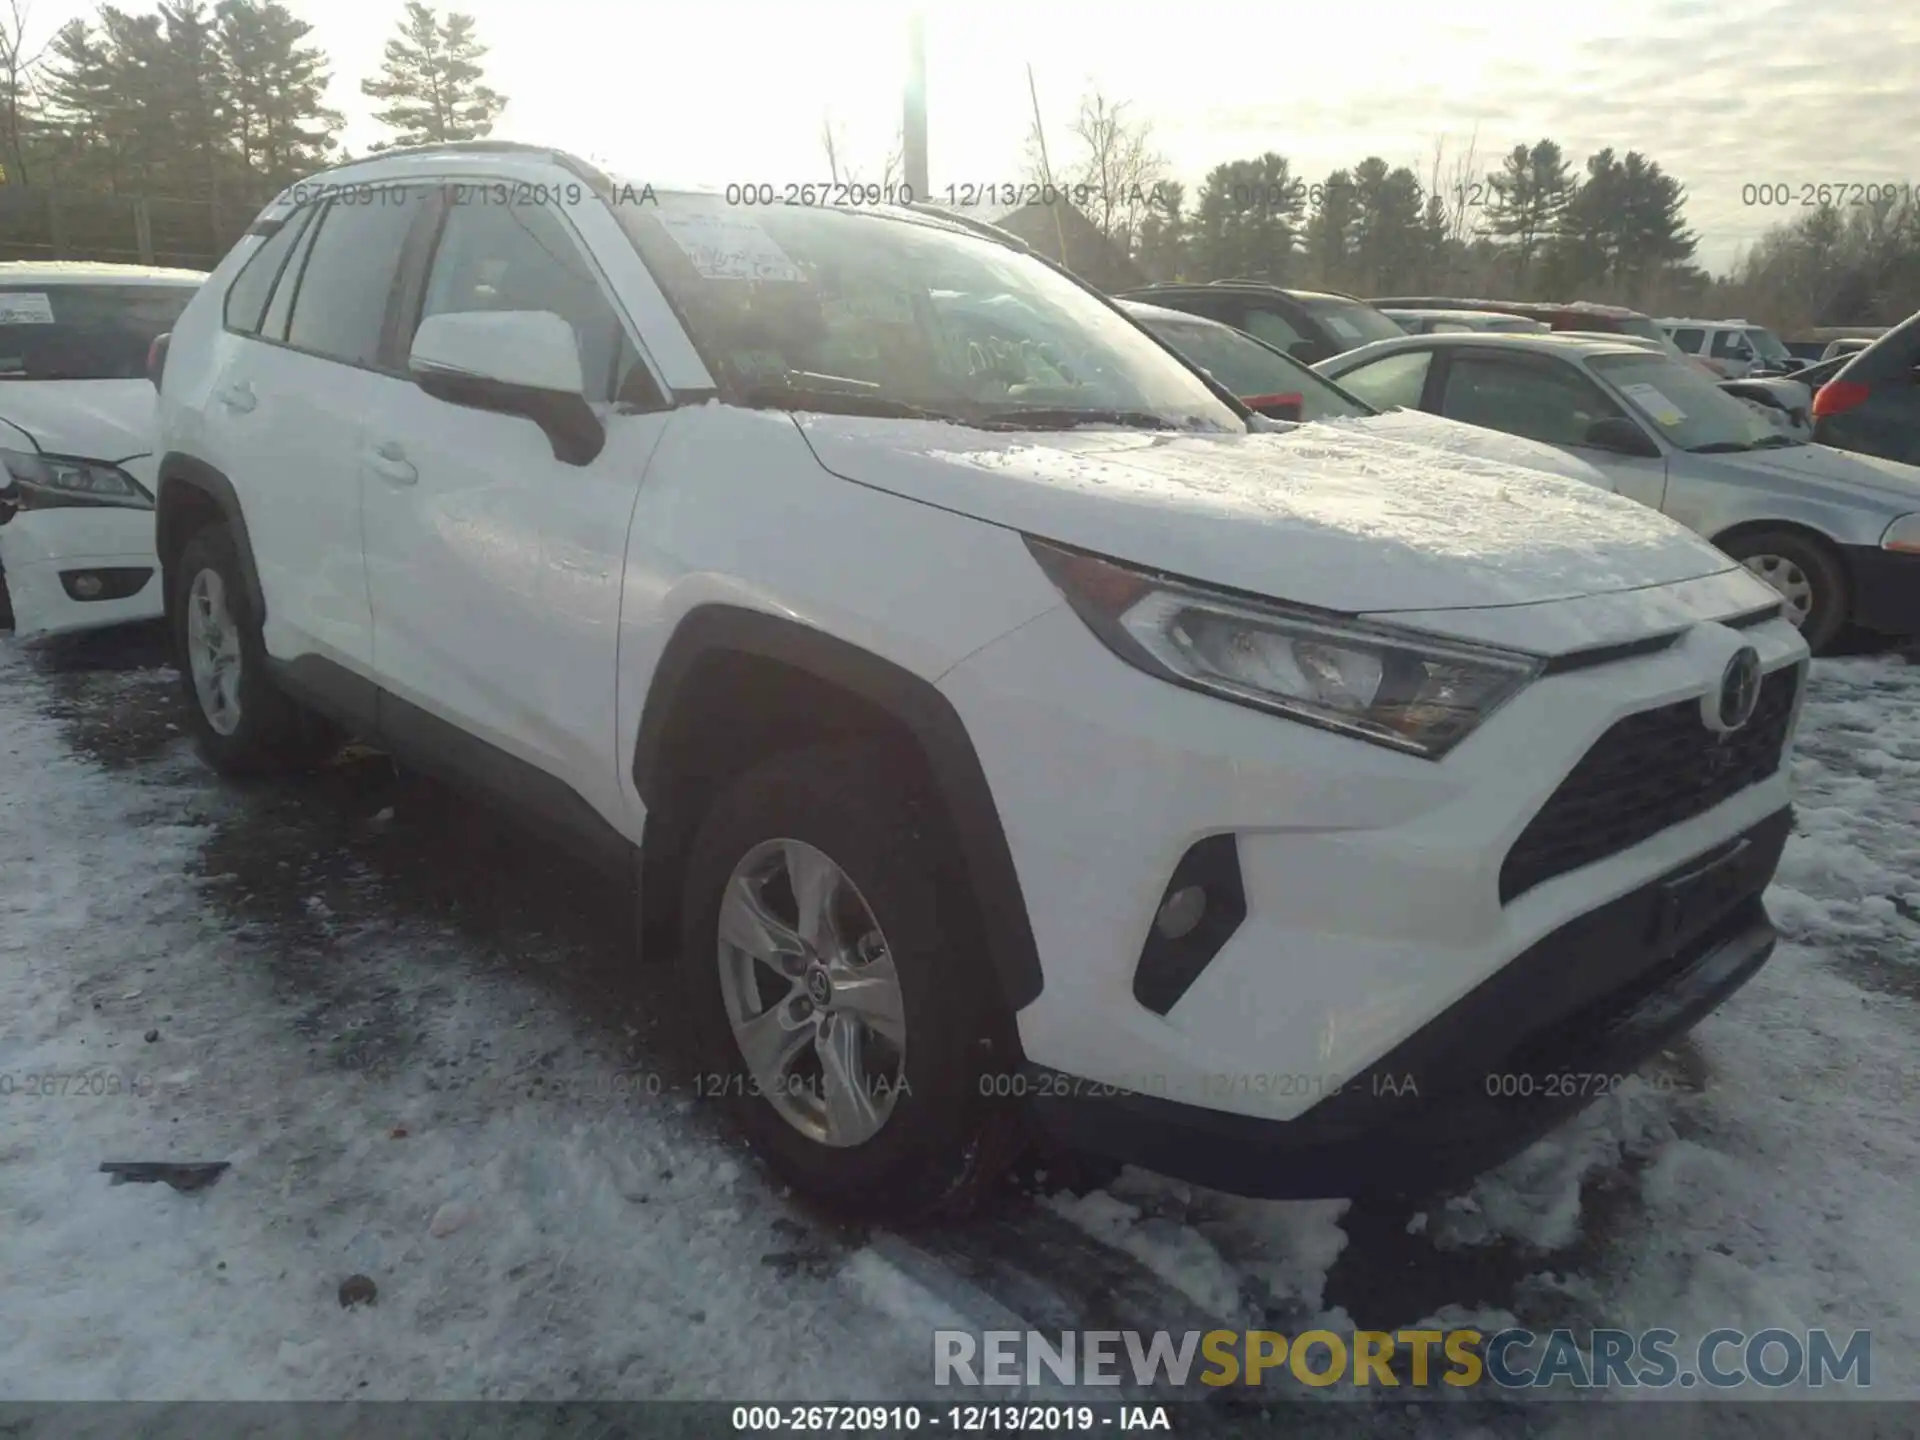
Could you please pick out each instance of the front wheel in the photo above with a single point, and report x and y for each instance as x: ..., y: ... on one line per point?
x: 1808, y: 575
x: 843, y: 1016
x: 242, y: 722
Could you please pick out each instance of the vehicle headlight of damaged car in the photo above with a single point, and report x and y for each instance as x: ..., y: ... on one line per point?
x: 44, y: 482
x: 1411, y: 692
x: 1903, y: 535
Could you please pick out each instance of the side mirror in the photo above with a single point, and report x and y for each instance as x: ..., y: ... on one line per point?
x: 1622, y: 436
x: 157, y: 358
x: 1275, y: 407
x: 512, y: 362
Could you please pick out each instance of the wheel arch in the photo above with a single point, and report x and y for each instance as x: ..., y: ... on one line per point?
x: 191, y: 495
x: 734, y: 686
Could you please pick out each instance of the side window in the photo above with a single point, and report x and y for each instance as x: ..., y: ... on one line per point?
x: 520, y: 257
x: 273, y: 325
x: 1394, y: 381
x: 247, y: 296
x: 348, y: 279
x: 1540, y: 400
x: 1730, y: 345
x: 1270, y: 326
x: 1689, y: 339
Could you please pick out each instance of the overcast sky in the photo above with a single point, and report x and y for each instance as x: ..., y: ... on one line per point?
x: 1793, y: 92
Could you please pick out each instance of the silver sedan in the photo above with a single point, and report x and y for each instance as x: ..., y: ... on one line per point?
x: 1837, y: 534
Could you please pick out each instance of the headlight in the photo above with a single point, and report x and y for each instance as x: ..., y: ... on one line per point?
x: 1399, y: 688
x: 1903, y: 534
x: 43, y: 482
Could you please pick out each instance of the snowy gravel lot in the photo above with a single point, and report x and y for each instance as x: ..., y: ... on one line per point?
x: 420, y: 1041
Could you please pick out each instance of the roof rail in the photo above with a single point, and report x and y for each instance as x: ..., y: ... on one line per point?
x: 592, y: 174
x: 982, y: 228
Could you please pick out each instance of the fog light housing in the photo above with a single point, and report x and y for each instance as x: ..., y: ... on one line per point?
x: 87, y: 586
x: 117, y: 582
x: 1203, y: 903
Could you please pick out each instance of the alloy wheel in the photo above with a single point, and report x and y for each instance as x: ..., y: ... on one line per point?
x: 213, y: 652
x: 811, y: 993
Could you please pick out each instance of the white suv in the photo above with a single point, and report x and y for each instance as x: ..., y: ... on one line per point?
x: 1003, y: 730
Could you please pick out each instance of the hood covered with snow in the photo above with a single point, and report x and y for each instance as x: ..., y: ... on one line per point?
x: 1331, y: 515
x: 1416, y: 427
x: 90, y: 419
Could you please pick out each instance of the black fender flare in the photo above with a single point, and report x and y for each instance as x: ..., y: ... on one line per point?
x: 918, y: 707
x: 183, y: 472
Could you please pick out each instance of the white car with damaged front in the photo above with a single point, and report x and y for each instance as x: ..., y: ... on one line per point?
x: 77, y: 438
x: 994, y: 723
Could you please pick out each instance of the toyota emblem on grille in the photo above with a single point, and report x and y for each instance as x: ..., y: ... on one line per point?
x: 1739, y: 693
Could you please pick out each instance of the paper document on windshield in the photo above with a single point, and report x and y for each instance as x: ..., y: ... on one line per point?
x: 727, y: 247
x: 26, y: 307
x: 1651, y: 399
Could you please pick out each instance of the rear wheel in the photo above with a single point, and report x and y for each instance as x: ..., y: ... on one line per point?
x: 1808, y: 575
x: 242, y: 722
x: 843, y: 1016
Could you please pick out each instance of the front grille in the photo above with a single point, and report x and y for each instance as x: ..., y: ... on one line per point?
x: 1649, y: 772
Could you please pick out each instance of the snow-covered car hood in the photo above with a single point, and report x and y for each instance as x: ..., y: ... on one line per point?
x: 1823, y: 468
x: 1419, y: 428
x: 1330, y: 515
x: 91, y: 419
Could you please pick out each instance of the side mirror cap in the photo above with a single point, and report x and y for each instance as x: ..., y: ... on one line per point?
x: 513, y: 362
x: 1621, y: 436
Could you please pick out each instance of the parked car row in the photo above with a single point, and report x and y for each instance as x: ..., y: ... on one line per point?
x: 1002, y: 717
x: 1735, y: 349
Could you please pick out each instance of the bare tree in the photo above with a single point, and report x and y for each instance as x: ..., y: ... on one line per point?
x: 17, y: 68
x: 1117, y: 166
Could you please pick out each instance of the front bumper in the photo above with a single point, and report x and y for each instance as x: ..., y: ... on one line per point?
x: 1369, y: 898
x: 1886, y: 589
x: 1559, y: 1027
x: 42, y: 550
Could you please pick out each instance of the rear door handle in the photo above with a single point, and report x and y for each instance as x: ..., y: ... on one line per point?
x: 391, y: 463
x: 238, y: 397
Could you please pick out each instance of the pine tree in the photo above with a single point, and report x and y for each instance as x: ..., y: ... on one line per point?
x: 276, y: 113
x: 1387, y: 242
x: 1164, y: 232
x: 1329, y: 233
x: 1530, y: 193
x: 1246, y: 220
x: 430, y: 79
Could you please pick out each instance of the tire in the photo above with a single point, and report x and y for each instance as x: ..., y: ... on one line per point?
x: 263, y: 730
x: 940, y: 1146
x: 1799, y: 565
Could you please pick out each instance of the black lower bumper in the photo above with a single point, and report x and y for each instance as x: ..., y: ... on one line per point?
x: 1886, y: 589
x: 1554, y: 1030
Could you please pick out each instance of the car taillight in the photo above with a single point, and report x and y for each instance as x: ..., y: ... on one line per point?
x: 157, y: 358
x: 1836, y: 397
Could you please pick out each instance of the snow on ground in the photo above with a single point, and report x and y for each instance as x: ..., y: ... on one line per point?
x: 372, y: 1005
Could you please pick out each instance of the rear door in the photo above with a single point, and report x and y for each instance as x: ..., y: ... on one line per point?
x: 288, y: 407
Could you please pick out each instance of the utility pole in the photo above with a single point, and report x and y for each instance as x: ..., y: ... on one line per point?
x: 913, y: 132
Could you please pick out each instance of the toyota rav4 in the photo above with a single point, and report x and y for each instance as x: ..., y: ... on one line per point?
x: 1003, y: 724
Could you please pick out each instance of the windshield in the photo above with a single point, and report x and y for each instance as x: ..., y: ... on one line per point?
x: 804, y: 308
x: 1767, y: 345
x: 1253, y: 371
x: 84, y: 332
x: 1685, y: 406
x: 1351, y: 323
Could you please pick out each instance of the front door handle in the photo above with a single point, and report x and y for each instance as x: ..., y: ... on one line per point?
x: 391, y: 463
x: 238, y: 397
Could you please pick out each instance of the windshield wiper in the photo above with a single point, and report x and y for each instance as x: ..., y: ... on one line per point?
x: 1719, y: 447
x: 838, y: 402
x: 1067, y: 417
